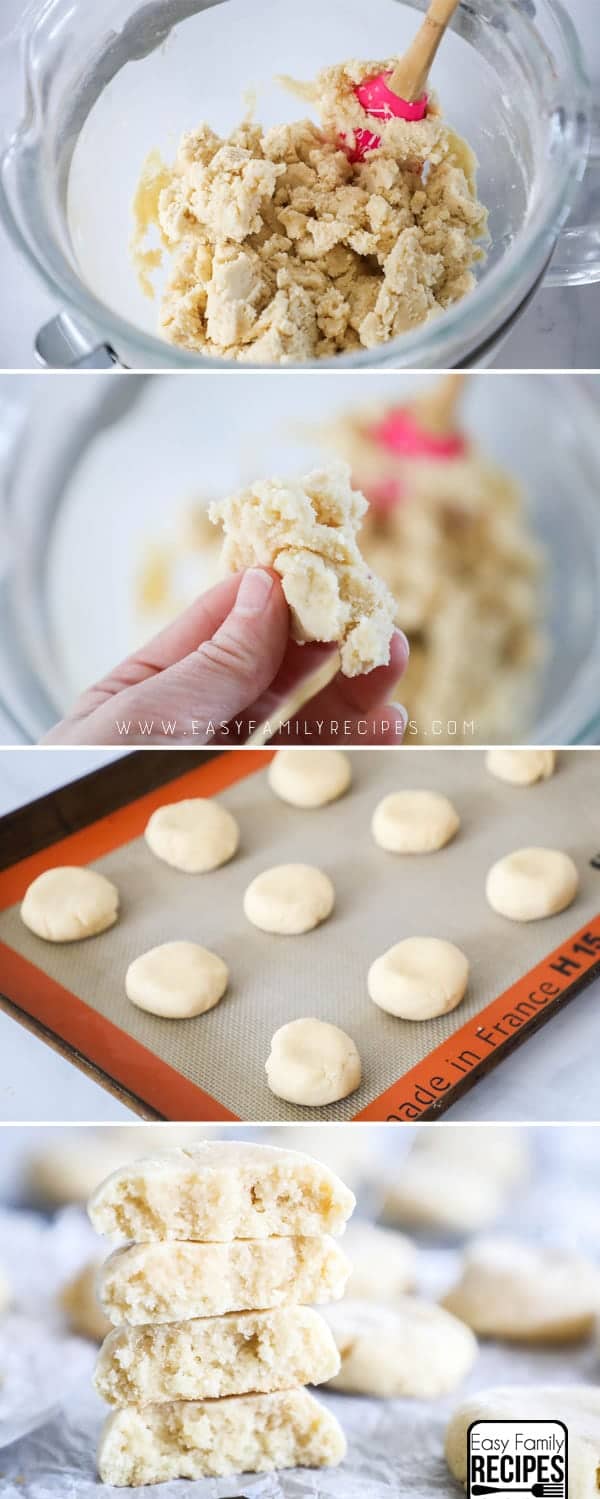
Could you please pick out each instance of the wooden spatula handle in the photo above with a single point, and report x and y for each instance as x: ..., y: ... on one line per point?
x: 438, y: 409
x: 411, y: 72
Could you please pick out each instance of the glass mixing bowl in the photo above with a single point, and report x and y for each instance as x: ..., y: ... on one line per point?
x: 95, y: 469
x: 105, y: 83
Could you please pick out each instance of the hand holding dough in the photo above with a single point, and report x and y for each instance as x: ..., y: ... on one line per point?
x: 309, y: 778
x: 289, y: 899
x: 69, y: 903
x: 414, y: 822
x: 419, y: 978
x: 176, y: 980
x: 531, y: 884
x: 194, y: 835
x: 312, y: 1062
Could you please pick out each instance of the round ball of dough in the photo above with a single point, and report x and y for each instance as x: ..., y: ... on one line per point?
x: 309, y: 778
x: 312, y: 1062
x: 69, y: 903
x: 419, y: 978
x: 532, y: 883
x: 521, y: 767
x: 195, y: 835
x: 289, y: 899
x: 412, y: 1348
x: 414, y: 822
x: 525, y: 1293
x: 176, y: 980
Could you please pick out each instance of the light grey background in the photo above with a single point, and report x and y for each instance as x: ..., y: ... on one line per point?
x: 553, y: 1075
x: 560, y: 330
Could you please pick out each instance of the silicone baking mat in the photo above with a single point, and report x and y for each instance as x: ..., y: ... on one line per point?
x: 213, y: 1067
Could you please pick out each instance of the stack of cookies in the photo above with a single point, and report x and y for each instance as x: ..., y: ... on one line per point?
x: 214, y: 1336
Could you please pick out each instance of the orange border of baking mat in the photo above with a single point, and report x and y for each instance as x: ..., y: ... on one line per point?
x: 69, y: 1018
x: 425, y: 1092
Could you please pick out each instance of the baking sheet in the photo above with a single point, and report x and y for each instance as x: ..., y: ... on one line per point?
x: 380, y: 898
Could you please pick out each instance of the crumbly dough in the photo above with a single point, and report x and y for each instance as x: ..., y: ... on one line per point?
x: 80, y: 1304
x: 69, y: 903
x: 454, y: 543
x: 176, y: 980
x: 521, y: 767
x: 525, y: 1294
x: 532, y: 883
x: 306, y: 529
x: 312, y: 1062
x: 289, y: 899
x: 242, y: 1353
x: 577, y: 1405
x: 220, y: 1190
x: 309, y: 778
x: 171, y: 1282
x: 414, y: 822
x: 384, y: 1263
x: 412, y: 1348
x: 210, y: 1438
x: 194, y: 835
x: 283, y: 250
x: 419, y: 978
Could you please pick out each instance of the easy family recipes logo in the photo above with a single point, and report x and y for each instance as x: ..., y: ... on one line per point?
x: 518, y: 1457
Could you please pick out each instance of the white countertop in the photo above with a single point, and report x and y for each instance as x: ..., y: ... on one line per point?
x: 560, y: 330
x: 552, y: 1076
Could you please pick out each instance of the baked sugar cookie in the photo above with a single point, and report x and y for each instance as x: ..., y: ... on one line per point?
x: 80, y: 1305
x: 210, y: 1439
x: 312, y: 1063
x: 69, y: 903
x: 242, y: 1353
x: 435, y: 1195
x: 309, y: 778
x: 176, y: 980
x: 521, y: 767
x: 414, y: 822
x: 419, y: 978
x: 532, y: 883
x: 524, y: 1294
x: 412, y: 1348
x: 220, y: 1190
x: 195, y: 835
x: 172, y: 1282
x: 289, y: 899
x: 578, y: 1406
x: 384, y: 1263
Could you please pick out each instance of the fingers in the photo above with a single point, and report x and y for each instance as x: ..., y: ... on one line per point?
x: 211, y: 684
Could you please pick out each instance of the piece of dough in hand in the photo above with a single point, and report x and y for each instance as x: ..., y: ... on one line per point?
x: 532, y: 883
x: 419, y: 978
x: 414, y: 822
x: 578, y: 1406
x: 410, y: 1349
x: 312, y: 1063
x: 521, y: 767
x: 195, y: 835
x: 69, y: 903
x: 525, y: 1294
x: 309, y: 778
x: 176, y: 980
x: 289, y: 899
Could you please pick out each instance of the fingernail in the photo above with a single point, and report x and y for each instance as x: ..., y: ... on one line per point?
x: 405, y: 641
x: 254, y: 591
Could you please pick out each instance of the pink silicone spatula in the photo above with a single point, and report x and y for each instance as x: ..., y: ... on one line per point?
x: 428, y: 427
x: 401, y: 91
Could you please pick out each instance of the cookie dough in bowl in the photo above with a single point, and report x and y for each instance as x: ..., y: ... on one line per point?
x: 411, y: 1349
x: 289, y: 899
x: 419, y: 978
x: 312, y: 1063
x: 524, y: 1294
x: 176, y: 980
x: 195, y: 836
x: 70, y: 903
x: 309, y: 778
x: 414, y: 822
x: 532, y: 883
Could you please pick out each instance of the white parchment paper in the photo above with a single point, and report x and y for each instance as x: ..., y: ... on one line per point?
x: 395, y: 1448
